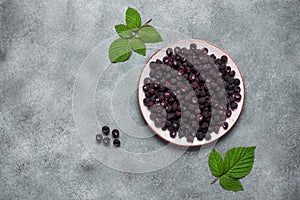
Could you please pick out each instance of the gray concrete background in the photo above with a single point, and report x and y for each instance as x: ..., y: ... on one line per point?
x: 43, y: 43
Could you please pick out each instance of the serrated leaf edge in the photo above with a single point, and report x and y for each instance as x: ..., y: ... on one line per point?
x: 212, y: 160
x: 246, y: 150
x: 231, y: 187
x: 225, y: 174
x: 143, y: 53
x: 126, y: 55
x: 129, y: 17
x: 148, y: 40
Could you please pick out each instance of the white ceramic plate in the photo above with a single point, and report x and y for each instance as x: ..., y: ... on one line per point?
x: 213, y: 49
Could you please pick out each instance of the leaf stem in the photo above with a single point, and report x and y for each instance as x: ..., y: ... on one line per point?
x: 214, y: 180
x: 147, y: 22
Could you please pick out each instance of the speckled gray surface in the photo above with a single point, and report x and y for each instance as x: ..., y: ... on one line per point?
x: 43, y: 43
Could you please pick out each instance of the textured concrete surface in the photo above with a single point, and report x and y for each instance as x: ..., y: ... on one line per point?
x: 43, y: 43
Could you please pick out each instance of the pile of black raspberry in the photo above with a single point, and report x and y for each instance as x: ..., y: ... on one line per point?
x: 214, y: 91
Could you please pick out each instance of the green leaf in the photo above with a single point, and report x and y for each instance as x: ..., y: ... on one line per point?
x: 133, y: 37
x: 123, y: 31
x: 138, y: 46
x: 149, y: 34
x: 215, y: 163
x: 119, y: 50
x: 239, y: 161
x: 133, y: 19
x: 230, y: 183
